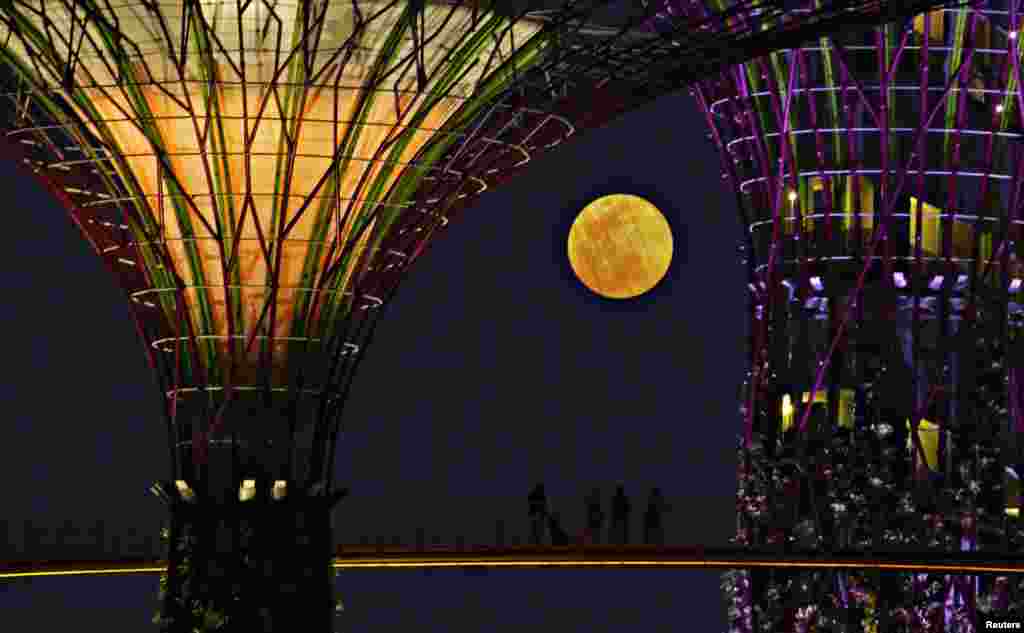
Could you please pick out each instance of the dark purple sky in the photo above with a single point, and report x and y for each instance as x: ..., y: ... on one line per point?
x: 493, y: 368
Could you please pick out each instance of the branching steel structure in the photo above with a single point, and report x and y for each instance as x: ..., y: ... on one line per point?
x: 877, y: 172
x: 259, y: 177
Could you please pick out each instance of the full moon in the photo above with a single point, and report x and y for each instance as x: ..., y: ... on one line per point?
x: 620, y: 246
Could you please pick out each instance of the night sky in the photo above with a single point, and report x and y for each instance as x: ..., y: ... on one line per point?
x: 492, y: 369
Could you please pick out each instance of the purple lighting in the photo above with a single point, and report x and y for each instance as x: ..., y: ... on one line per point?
x: 901, y: 147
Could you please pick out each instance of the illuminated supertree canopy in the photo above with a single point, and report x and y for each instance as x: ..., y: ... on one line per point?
x: 259, y: 175
x: 876, y: 171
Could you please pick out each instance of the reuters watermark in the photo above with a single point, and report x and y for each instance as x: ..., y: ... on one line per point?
x: 1002, y: 625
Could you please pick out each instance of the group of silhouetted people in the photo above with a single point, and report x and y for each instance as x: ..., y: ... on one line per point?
x: 541, y: 518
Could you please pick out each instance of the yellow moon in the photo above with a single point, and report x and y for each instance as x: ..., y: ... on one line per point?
x: 620, y: 246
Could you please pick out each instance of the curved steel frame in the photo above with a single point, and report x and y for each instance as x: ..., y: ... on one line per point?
x: 877, y: 177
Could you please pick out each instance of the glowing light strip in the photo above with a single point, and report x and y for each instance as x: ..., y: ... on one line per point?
x: 957, y: 217
x: 483, y: 560
x: 931, y: 130
x: 874, y: 258
x: 893, y: 171
x: 907, y: 86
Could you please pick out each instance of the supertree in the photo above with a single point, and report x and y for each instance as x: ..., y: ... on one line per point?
x: 876, y: 173
x: 259, y: 176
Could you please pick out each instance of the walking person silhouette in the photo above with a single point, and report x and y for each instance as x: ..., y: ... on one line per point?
x: 654, y: 529
x: 619, y: 532
x: 538, y: 503
x: 595, y: 515
x: 558, y: 535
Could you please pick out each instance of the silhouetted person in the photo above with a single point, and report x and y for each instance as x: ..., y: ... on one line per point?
x: 619, y: 533
x: 654, y: 529
x: 595, y: 515
x: 538, y: 502
x: 558, y: 535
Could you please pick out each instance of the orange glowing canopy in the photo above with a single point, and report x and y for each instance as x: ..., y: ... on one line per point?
x: 267, y: 149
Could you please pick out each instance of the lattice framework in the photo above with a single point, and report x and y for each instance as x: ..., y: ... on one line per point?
x: 877, y: 177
